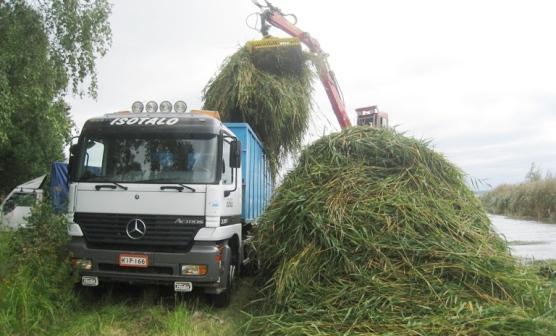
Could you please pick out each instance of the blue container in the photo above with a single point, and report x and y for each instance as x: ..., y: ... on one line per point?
x: 257, y: 182
x: 59, y: 186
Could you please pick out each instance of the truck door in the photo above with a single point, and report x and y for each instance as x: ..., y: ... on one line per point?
x: 230, y: 177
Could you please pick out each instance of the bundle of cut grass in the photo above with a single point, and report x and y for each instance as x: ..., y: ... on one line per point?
x: 375, y: 233
x: 271, y: 92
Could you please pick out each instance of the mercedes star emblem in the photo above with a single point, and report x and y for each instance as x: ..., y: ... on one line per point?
x: 136, y: 229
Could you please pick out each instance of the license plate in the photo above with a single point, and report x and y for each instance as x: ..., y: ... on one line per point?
x: 180, y: 286
x: 91, y: 281
x: 134, y: 260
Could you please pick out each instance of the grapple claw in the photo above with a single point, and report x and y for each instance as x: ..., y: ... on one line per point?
x: 277, y: 55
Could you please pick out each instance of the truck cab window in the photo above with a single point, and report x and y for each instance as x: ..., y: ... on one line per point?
x: 227, y: 177
x: 93, y: 158
x: 149, y: 158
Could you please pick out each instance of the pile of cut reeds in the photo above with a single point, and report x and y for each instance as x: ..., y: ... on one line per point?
x: 375, y: 233
x: 271, y: 91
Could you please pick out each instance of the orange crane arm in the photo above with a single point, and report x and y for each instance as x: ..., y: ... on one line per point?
x: 275, y: 17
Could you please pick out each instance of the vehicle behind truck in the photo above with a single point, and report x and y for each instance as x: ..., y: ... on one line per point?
x: 165, y: 198
x: 16, y: 207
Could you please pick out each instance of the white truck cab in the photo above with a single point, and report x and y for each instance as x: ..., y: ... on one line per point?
x: 157, y: 198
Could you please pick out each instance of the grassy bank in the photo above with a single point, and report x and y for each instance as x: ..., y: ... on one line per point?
x: 531, y: 199
x: 37, y: 295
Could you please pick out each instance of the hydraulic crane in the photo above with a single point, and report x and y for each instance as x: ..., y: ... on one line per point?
x: 273, y: 16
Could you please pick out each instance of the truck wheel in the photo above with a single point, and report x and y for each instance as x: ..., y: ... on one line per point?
x: 91, y: 294
x: 252, y: 268
x: 223, y: 299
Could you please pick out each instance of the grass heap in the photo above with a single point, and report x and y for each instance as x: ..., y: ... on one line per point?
x: 273, y: 96
x: 375, y: 233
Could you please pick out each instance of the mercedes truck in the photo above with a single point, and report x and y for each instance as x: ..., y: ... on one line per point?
x: 165, y: 196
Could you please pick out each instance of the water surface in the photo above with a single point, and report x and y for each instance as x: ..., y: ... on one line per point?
x: 528, y: 239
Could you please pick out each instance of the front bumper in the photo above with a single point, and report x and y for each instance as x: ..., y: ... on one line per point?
x: 164, y: 267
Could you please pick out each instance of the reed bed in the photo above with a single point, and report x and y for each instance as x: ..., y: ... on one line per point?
x: 269, y: 90
x: 530, y: 199
x: 374, y: 233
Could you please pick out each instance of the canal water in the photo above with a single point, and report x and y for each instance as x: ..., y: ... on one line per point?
x: 527, y: 239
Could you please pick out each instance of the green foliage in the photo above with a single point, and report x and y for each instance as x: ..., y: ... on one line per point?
x: 145, y: 316
x: 42, y: 49
x: 535, y: 199
x: 374, y: 233
x: 36, y: 287
x: 274, y: 101
x: 37, y: 295
x: 79, y: 32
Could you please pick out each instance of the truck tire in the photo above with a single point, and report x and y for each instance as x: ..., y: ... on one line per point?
x: 223, y: 299
x: 91, y: 294
x: 252, y: 268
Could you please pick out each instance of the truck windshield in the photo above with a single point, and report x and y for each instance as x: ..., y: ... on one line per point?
x: 155, y: 158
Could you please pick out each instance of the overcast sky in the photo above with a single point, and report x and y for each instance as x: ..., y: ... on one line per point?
x: 478, y: 78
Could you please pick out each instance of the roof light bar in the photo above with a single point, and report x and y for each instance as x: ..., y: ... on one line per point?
x: 151, y: 107
x: 180, y: 106
x: 137, y: 107
x: 165, y: 107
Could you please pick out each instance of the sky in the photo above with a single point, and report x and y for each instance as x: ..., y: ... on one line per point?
x: 476, y: 78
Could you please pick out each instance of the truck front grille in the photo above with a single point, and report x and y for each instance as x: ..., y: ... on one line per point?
x: 167, y: 232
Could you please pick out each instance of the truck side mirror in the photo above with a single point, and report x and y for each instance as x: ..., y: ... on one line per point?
x: 72, y: 160
x: 235, y: 154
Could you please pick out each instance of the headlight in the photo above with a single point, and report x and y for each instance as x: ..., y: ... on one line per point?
x: 81, y: 264
x: 194, y: 269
